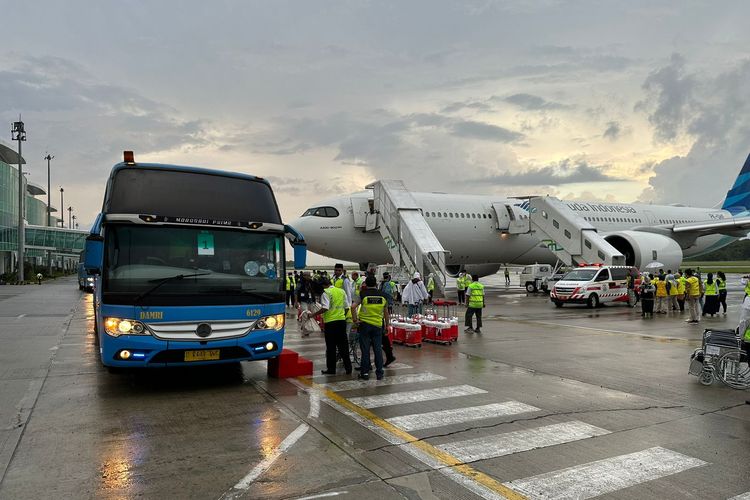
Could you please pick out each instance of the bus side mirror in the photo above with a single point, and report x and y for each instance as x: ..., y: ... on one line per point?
x: 93, y: 254
x: 300, y: 255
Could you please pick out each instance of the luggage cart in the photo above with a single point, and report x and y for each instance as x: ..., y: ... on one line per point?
x: 448, y: 307
x: 412, y: 335
x: 721, y: 356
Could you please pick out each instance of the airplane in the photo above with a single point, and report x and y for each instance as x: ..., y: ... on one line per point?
x: 468, y: 227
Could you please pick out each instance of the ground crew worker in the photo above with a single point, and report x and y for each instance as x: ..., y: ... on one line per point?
x: 461, y: 287
x: 475, y: 292
x: 692, y: 295
x: 39, y: 279
x: 681, y: 285
x: 340, y: 280
x: 372, y: 319
x: 334, y: 303
x: 430, y: 287
x: 290, y: 287
x: 661, y: 294
x: 507, y: 277
x: 387, y: 288
x: 357, y: 281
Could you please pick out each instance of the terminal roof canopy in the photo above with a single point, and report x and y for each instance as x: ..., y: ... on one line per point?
x: 9, y: 156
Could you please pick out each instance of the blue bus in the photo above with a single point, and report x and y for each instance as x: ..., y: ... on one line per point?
x: 189, y: 267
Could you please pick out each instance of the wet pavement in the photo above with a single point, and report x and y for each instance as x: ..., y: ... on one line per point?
x: 546, y: 402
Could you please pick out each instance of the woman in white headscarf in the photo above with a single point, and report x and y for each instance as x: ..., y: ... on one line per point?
x: 414, y: 294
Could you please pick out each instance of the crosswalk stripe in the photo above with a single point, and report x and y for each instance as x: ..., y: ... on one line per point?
x: 508, y: 443
x: 441, y: 418
x: 411, y: 378
x: 415, y: 396
x: 605, y: 476
x: 393, y: 366
x: 742, y: 496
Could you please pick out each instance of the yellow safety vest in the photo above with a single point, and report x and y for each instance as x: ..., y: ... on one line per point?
x: 431, y: 284
x: 693, y: 287
x: 476, y: 298
x: 461, y: 283
x: 336, y: 305
x: 339, y: 282
x: 747, y: 288
x: 290, y: 285
x: 747, y: 335
x: 371, y: 311
x: 722, y: 284
x: 358, y: 285
x: 711, y: 289
x: 661, y: 287
x: 681, y: 283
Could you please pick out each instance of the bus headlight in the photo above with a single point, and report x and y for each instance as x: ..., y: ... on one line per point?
x: 273, y: 322
x: 117, y: 326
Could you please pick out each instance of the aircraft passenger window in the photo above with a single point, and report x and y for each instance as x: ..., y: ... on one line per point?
x: 473, y: 216
x: 567, y: 234
x: 427, y: 214
x: 463, y: 215
x: 587, y: 243
x: 451, y: 214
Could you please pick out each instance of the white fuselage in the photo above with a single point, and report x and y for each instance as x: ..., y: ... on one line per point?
x: 467, y: 227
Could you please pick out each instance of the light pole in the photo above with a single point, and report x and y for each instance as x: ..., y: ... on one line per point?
x: 70, y: 213
x: 62, y: 214
x: 49, y: 212
x: 19, y: 134
x: 75, y: 224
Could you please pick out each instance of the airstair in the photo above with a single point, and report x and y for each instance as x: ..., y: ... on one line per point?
x: 570, y: 237
x: 412, y: 244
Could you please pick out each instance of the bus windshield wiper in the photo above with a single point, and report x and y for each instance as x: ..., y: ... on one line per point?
x: 161, y: 281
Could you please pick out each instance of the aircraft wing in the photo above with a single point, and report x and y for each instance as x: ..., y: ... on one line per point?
x: 734, y: 226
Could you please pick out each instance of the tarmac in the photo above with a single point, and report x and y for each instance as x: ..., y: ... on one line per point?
x: 545, y: 403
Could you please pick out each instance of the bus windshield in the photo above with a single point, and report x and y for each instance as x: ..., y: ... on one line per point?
x: 198, y: 266
x: 580, y: 275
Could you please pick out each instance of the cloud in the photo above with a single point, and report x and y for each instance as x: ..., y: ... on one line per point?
x: 485, y: 132
x: 565, y: 172
x: 532, y: 102
x: 713, y: 112
x: 613, y: 131
x: 669, y: 98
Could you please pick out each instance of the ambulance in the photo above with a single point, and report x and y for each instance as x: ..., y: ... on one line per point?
x: 593, y: 285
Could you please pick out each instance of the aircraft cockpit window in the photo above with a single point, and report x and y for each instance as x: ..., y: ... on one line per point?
x: 321, y: 212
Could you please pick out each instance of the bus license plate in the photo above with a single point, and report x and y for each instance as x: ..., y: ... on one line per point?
x: 203, y: 355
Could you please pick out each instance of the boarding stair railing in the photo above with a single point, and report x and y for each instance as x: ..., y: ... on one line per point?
x: 569, y: 236
x: 409, y: 239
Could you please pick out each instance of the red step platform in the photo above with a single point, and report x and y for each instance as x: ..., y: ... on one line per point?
x: 289, y: 364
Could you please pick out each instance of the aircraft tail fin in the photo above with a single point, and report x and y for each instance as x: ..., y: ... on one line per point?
x: 738, y: 198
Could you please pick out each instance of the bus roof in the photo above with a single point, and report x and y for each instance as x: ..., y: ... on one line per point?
x: 185, y: 168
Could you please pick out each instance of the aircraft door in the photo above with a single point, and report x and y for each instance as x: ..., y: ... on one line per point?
x: 360, y: 209
x: 510, y: 218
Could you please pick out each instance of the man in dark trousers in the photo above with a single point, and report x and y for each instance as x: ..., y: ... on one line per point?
x: 335, y: 303
x: 475, y: 304
x: 373, y: 319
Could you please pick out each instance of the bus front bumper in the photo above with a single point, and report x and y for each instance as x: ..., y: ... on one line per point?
x: 135, y: 351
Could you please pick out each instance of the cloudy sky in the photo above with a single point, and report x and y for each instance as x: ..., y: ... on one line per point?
x: 596, y: 99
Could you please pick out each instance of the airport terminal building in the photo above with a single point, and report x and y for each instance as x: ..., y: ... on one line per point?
x: 43, y: 240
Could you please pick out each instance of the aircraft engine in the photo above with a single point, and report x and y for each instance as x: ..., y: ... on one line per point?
x: 478, y: 269
x: 640, y: 248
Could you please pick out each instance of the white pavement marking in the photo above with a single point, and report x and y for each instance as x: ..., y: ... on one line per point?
x: 441, y: 418
x: 432, y: 462
x: 508, y: 443
x: 397, y: 398
x: 412, y: 378
x: 394, y: 366
x: 605, y: 476
x: 324, y: 495
x: 241, y: 487
x: 742, y: 496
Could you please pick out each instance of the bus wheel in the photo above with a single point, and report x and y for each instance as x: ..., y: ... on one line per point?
x: 593, y: 301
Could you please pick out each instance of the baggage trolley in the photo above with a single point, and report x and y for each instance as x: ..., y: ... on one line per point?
x: 448, y: 307
x: 721, y: 356
x: 412, y: 335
